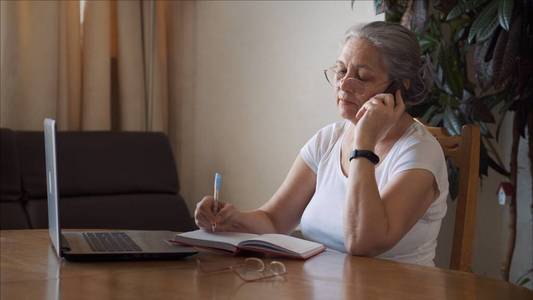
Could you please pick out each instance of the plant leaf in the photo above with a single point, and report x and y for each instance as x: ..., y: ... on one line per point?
x: 451, y: 122
x: 483, y: 159
x: 420, y: 15
x: 462, y: 7
x: 507, y: 106
x: 434, y: 27
x: 487, y: 32
x: 444, y: 99
x: 453, y: 180
x: 379, y: 6
x: 429, y: 113
x: 459, y: 34
x: 436, y: 119
x: 498, y: 56
x: 481, y: 110
x: 458, y: 10
x: 499, y: 126
x: 446, y: 6
x: 485, y: 22
x: 475, y: 109
x: 485, y: 131
x: 505, y: 11
x: 483, y: 69
x: 494, y: 155
x: 427, y: 42
x: 459, y: 26
x: 512, y: 48
x: 453, y: 76
x: 493, y: 100
x: 496, y: 167
x: 524, y: 281
x: 466, y: 107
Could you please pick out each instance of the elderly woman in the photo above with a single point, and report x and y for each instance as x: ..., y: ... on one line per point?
x: 373, y: 184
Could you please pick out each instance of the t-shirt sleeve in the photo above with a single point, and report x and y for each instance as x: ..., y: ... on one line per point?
x: 315, y: 148
x: 423, y: 154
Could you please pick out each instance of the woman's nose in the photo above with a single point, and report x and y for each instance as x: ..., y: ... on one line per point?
x: 351, y: 85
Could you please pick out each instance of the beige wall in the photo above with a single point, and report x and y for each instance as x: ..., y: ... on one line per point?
x: 257, y: 94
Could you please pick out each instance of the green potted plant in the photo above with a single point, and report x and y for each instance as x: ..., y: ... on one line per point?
x: 481, y: 53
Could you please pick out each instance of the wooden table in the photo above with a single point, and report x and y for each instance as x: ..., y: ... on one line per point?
x: 30, y: 270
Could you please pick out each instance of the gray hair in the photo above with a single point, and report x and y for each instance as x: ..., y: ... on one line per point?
x: 401, y: 54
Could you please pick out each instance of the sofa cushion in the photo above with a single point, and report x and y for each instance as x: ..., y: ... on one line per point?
x: 13, y: 216
x: 10, y: 176
x: 141, y: 212
x: 100, y: 163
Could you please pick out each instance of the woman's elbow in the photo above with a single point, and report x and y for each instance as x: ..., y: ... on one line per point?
x: 354, y: 248
x: 361, y: 247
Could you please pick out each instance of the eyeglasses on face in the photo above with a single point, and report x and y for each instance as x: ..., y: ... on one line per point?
x: 334, y: 76
x: 249, y: 269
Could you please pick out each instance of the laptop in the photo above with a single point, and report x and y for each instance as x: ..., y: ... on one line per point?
x: 100, y: 244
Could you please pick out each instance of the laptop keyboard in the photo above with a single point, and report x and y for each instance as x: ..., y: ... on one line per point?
x: 110, y: 242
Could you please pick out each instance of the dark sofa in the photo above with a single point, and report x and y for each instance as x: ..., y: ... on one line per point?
x: 125, y: 180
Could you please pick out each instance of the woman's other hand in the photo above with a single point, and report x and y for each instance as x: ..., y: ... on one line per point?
x: 224, y: 220
x: 375, y: 118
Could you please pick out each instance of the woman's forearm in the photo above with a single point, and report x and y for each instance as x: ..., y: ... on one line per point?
x: 255, y: 221
x: 365, y: 219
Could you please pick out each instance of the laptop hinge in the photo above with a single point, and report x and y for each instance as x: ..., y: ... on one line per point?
x: 64, y: 244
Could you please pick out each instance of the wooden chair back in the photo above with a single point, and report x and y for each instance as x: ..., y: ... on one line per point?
x: 463, y: 151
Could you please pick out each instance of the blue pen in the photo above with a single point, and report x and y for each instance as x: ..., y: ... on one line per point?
x: 218, y: 186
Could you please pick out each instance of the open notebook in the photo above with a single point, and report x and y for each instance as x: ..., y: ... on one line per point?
x: 274, y: 244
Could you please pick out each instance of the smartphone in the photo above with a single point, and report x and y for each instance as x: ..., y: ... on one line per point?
x: 393, y: 87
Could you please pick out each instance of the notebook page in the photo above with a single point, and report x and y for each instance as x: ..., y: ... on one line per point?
x: 288, y: 242
x: 233, y: 238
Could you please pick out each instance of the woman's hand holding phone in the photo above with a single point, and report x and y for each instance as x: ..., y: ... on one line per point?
x: 376, y: 117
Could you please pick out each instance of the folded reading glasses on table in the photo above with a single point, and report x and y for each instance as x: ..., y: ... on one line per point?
x: 249, y: 269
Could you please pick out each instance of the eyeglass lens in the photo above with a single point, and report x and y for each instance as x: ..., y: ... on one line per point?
x: 250, y: 269
x: 334, y: 79
x: 255, y: 269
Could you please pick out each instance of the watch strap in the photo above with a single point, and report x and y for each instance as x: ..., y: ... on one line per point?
x: 371, y: 156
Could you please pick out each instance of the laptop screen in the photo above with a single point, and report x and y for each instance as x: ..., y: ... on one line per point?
x: 54, y: 228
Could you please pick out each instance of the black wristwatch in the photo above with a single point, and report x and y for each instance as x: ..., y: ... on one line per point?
x: 371, y: 156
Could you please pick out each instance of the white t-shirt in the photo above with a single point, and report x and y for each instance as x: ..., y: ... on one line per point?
x: 322, y: 220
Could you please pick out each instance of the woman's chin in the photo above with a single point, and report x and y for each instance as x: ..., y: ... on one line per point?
x: 347, y: 112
